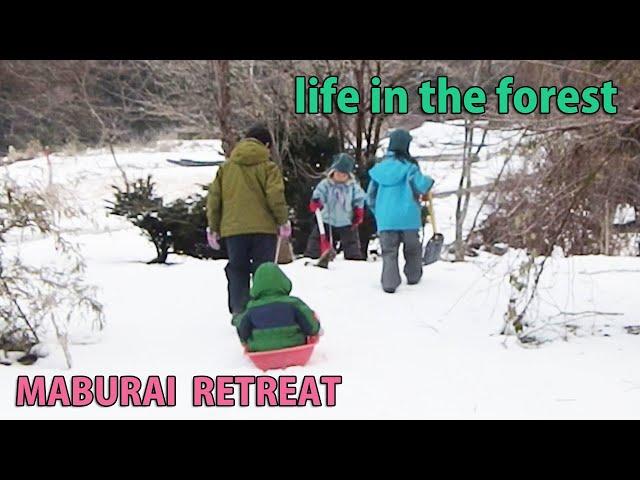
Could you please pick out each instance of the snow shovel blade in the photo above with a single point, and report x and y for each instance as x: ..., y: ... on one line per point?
x: 325, y: 258
x: 285, y: 254
x: 433, y: 249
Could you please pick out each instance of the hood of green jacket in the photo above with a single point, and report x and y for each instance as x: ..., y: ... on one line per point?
x: 249, y: 152
x: 270, y: 281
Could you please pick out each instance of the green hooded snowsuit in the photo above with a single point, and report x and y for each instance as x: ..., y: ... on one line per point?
x: 274, y: 319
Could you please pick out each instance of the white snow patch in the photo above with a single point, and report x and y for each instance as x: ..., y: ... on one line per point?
x: 429, y: 351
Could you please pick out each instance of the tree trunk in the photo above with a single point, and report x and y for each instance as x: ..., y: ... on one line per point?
x: 360, y: 121
x: 222, y: 78
x: 162, y: 249
x: 607, y: 222
x: 466, y: 159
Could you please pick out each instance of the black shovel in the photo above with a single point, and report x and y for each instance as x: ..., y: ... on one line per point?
x: 434, y: 246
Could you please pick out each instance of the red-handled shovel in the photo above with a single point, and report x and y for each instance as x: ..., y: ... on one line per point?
x: 327, y: 253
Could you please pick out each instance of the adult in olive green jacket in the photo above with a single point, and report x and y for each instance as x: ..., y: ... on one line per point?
x: 246, y: 207
x: 247, y: 195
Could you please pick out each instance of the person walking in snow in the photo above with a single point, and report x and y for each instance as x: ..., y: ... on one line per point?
x: 394, y: 198
x: 341, y: 199
x: 246, y: 207
x: 273, y: 318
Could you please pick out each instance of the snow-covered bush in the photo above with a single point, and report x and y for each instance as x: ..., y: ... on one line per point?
x: 40, y: 299
x: 521, y: 283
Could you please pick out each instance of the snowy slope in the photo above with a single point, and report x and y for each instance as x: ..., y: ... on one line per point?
x: 429, y: 351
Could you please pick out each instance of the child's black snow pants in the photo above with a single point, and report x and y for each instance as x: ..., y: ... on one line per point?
x: 349, y: 242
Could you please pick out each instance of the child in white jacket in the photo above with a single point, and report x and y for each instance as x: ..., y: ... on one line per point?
x: 341, y: 201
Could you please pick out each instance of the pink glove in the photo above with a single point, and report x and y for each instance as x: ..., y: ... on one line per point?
x: 284, y: 231
x: 213, y: 239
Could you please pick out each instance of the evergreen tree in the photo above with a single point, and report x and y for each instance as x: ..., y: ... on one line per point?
x: 178, y: 227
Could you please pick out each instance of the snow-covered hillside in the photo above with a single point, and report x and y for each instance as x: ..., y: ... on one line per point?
x: 429, y: 351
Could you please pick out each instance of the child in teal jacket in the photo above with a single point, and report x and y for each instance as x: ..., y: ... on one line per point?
x: 394, y: 198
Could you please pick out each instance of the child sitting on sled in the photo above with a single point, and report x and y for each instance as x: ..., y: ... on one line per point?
x: 394, y: 198
x: 274, y: 319
x: 341, y: 200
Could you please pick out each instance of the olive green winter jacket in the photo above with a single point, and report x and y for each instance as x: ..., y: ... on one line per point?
x: 247, y: 195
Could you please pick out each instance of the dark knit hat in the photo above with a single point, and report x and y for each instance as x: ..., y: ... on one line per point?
x: 343, y: 162
x: 399, y: 143
x: 260, y: 132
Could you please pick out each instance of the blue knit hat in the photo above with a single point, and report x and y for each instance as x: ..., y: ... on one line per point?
x: 343, y: 162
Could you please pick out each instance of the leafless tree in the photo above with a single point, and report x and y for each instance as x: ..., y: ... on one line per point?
x: 37, y: 296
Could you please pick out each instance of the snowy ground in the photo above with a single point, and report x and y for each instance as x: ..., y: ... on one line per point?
x: 429, y: 351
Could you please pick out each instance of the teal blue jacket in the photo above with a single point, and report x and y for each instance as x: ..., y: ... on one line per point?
x: 393, y: 194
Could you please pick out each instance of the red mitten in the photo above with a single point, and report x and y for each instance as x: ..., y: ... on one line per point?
x: 358, y: 217
x: 315, y: 205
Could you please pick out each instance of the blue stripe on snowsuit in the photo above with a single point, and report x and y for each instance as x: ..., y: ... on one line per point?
x: 273, y: 315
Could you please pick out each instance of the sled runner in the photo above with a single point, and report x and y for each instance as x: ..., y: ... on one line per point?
x: 284, y: 357
x: 434, y: 247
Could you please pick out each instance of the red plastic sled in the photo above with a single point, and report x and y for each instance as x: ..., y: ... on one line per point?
x: 284, y: 357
